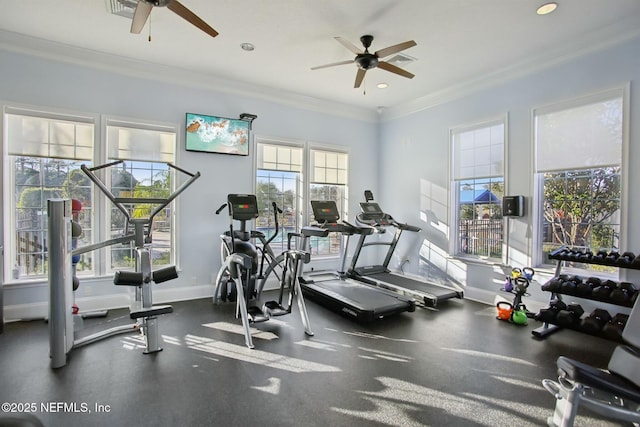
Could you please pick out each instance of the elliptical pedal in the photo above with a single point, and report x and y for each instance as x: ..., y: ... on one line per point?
x: 274, y: 309
x: 257, y: 315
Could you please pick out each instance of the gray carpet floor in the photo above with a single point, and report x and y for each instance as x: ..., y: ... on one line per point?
x: 456, y: 366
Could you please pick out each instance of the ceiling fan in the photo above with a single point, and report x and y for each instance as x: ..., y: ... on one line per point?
x: 366, y: 61
x: 143, y: 10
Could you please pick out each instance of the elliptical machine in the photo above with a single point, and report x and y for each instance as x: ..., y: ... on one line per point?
x: 242, y: 267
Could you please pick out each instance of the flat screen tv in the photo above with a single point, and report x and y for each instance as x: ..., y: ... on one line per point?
x: 213, y: 134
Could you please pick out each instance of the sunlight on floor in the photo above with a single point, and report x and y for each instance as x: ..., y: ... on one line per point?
x: 489, y: 356
x: 238, y: 329
x: 400, y: 402
x: 258, y: 357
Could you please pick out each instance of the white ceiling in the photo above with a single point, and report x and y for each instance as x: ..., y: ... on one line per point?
x: 459, y: 42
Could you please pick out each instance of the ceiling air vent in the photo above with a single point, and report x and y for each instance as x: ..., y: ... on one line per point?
x: 400, y: 59
x: 122, y: 7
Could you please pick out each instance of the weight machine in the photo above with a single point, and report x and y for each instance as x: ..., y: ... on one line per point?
x: 62, y: 319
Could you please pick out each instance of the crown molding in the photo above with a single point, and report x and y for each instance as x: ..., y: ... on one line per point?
x: 623, y: 31
x: 61, y: 52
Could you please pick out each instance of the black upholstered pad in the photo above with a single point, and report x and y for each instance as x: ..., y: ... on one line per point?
x: 598, y: 378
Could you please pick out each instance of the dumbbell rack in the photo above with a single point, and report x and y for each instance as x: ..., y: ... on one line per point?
x: 564, y: 254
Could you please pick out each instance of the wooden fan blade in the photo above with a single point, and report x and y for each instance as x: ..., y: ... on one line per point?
x: 177, y: 7
x: 346, y: 43
x: 140, y: 16
x: 389, y: 67
x: 350, y: 61
x: 359, y: 77
x: 382, y: 53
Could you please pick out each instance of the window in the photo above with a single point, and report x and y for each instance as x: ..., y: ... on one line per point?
x: 279, y: 179
x: 328, y: 181
x: 478, y: 188
x: 44, y: 154
x: 280, y: 172
x: 578, y: 165
x: 146, y: 149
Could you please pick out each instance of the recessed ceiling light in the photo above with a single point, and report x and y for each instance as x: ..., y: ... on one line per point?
x: 247, y: 46
x: 382, y: 85
x: 547, y: 8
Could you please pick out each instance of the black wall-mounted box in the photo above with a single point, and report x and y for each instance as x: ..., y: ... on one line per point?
x: 513, y: 206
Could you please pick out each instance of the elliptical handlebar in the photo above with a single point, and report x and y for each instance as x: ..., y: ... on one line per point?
x: 220, y: 209
x: 276, y: 211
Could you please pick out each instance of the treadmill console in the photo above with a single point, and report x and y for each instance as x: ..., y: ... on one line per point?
x: 372, y: 214
x: 327, y: 216
x: 325, y: 211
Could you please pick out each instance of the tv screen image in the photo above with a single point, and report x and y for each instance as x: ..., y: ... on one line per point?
x: 214, y: 134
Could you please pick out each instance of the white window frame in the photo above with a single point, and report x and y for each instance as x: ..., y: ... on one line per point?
x: 149, y: 155
x: 100, y: 219
x: 307, y: 147
x: 454, y: 247
x: 8, y: 215
x: 538, y: 180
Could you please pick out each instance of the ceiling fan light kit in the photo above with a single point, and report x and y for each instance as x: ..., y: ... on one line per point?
x: 365, y: 60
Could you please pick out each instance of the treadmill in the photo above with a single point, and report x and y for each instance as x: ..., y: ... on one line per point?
x: 424, y: 293
x: 338, y: 293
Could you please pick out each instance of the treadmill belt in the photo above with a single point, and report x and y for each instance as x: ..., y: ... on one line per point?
x: 356, y: 300
x: 437, y: 291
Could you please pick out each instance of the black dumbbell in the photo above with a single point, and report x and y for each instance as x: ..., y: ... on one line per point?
x: 595, y: 321
x: 612, y: 257
x: 569, y: 286
x: 600, y: 256
x: 603, y: 291
x: 573, y: 254
x: 625, y: 259
x: 614, y: 328
x: 570, y: 317
x: 552, y: 285
x: 548, y: 314
x: 585, y: 288
x: 587, y: 255
x: 623, y: 292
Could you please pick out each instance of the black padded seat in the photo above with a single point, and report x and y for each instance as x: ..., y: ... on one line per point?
x: 598, y: 378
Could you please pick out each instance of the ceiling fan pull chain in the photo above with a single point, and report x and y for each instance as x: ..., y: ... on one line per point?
x: 149, y: 30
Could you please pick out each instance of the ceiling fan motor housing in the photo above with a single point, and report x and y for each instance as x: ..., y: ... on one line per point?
x: 159, y: 3
x: 366, y: 61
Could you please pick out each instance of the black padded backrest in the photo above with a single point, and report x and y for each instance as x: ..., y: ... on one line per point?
x: 631, y: 333
x: 625, y: 360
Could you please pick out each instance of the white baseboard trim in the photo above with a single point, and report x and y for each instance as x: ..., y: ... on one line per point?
x: 40, y: 310
x: 489, y: 297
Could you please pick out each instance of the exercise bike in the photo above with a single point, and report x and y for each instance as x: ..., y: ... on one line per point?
x: 240, y: 277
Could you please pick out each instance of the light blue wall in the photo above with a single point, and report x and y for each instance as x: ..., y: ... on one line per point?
x: 40, y: 82
x: 410, y: 155
x: 415, y: 154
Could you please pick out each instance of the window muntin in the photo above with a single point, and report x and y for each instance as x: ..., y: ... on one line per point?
x: 478, y: 188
